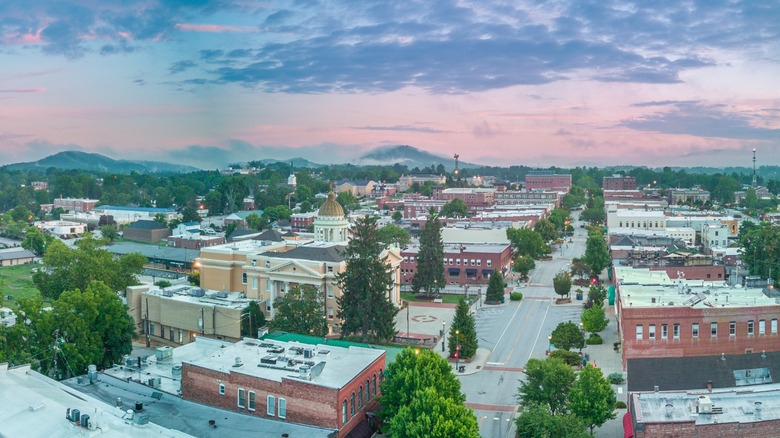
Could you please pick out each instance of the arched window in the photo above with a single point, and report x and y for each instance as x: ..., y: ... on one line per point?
x: 344, y: 413
x: 368, y: 392
x: 352, y: 405
x: 373, y: 387
x: 360, y: 398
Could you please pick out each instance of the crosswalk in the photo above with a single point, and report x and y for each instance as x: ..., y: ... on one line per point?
x: 486, y: 321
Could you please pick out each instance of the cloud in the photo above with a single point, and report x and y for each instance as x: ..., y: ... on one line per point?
x: 178, y: 67
x: 407, y: 128
x: 702, y: 120
x: 564, y: 132
x: 214, y: 28
x: 23, y: 90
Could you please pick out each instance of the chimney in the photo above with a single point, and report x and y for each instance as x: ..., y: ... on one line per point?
x: 709, y: 385
x: 655, y: 388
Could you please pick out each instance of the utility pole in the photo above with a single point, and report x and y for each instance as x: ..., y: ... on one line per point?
x: 202, y: 323
x: 146, y: 326
x: 214, y: 320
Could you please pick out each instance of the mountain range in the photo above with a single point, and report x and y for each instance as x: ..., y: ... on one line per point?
x: 99, y: 163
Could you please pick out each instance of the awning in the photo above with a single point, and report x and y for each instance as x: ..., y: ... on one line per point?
x: 628, y: 426
x: 471, y: 271
x: 454, y: 272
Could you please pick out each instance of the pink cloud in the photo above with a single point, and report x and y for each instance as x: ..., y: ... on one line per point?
x: 23, y: 90
x: 215, y: 28
x: 27, y: 38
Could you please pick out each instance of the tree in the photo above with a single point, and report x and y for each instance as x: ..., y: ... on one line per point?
x: 431, y: 415
x: 301, y: 310
x: 495, y: 289
x: 536, y: 421
x: 67, y: 269
x: 252, y: 318
x: 190, y: 214
x: 347, y: 200
x: 596, y: 297
x: 527, y: 242
x: 193, y: 278
x: 415, y: 370
x: 159, y: 217
x: 751, y: 199
x: 392, y: 234
x: 567, y: 336
x: 466, y: 327
x: 254, y: 222
x: 109, y: 232
x: 591, y: 398
x: 594, y: 319
x: 546, y: 229
x: 579, y: 268
x: 430, y: 259
x: 562, y: 283
x: 596, y: 254
x: 106, y: 219
x: 524, y: 264
x: 547, y: 383
x: 364, y: 306
x: 397, y: 215
x: 455, y: 208
x: 35, y: 240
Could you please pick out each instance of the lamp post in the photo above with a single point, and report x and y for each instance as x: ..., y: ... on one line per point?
x: 443, y: 329
x: 457, y: 349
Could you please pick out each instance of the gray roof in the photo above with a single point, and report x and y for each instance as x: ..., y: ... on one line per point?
x: 315, y: 253
x: 168, y: 253
x: 270, y: 235
x: 241, y: 232
x: 684, y: 373
x: 146, y: 225
x: 16, y: 254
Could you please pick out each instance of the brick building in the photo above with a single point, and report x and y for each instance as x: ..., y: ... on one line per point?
x: 622, y: 195
x: 413, y: 209
x: 661, y: 317
x: 301, y: 221
x: 323, y: 385
x: 475, y: 199
x: 463, y: 263
x: 619, y: 182
x: 195, y: 241
x: 528, y: 197
x: 146, y: 231
x: 688, y: 196
x: 405, y: 182
x: 547, y: 180
x: 71, y: 204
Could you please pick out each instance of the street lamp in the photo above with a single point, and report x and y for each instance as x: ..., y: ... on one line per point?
x: 457, y: 348
x: 443, y: 329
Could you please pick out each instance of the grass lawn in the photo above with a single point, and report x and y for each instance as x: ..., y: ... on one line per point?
x: 17, y: 282
x: 452, y: 299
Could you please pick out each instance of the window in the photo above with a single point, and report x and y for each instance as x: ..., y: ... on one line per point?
x: 344, y: 412
x: 267, y: 263
x: 330, y: 291
x: 243, y: 278
x: 750, y: 328
x: 761, y: 327
x: 373, y: 383
x: 241, y: 398
x: 639, y: 332
x: 664, y: 331
x: 254, y: 282
x: 651, y: 332
x: 695, y: 330
x: 733, y: 328
x: 170, y: 334
x: 254, y: 262
x: 251, y: 406
x: 352, y: 405
x: 221, y: 389
x: 472, y: 262
x: 330, y: 268
x: 676, y: 332
x: 457, y: 262
x: 406, y: 259
x: 714, y: 329
x: 774, y: 326
x: 360, y: 398
x: 181, y: 336
x: 282, y: 408
x: 268, y: 285
x: 151, y: 329
x: 368, y: 392
x: 330, y: 312
x: 489, y: 262
x: 479, y: 262
x: 271, y: 410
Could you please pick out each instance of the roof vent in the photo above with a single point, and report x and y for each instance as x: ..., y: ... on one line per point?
x: 238, y: 363
x: 669, y: 410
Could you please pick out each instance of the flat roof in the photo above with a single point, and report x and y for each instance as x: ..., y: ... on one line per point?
x: 736, y: 405
x: 641, y: 287
x: 628, y: 212
x: 154, y: 252
x: 329, y: 366
x: 494, y: 248
x: 192, y: 295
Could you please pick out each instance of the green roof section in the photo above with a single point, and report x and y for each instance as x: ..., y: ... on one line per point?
x: 390, y: 351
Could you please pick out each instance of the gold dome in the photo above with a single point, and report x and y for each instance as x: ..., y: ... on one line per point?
x: 331, y: 207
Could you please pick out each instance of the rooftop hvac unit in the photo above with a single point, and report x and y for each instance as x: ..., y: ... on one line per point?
x: 269, y: 360
x: 197, y: 292
x: 75, y: 415
x: 308, y: 353
x: 305, y: 373
x: 85, y: 421
x: 222, y: 294
x: 167, y: 293
x: 164, y: 353
x: 705, y: 404
x: 176, y: 371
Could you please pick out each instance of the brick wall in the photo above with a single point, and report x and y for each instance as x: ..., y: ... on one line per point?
x: 763, y: 429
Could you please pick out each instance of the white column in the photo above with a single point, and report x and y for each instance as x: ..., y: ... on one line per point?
x: 274, y: 294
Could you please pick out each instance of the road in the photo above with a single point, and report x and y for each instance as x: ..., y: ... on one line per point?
x: 516, y: 332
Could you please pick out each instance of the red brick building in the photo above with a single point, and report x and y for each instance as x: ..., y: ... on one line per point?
x: 322, y: 385
x: 525, y: 197
x: 475, y: 199
x: 413, y: 209
x: 623, y: 195
x: 661, y: 317
x: 619, y: 182
x: 545, y: 180
x: 468, y: 263
x: 301, y: 221
x: 195, y: 241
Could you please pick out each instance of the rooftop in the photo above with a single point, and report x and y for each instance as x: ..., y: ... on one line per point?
x: 15, y: 253
x: 642, y: 213
x: 146, y: 225
x: 196, y: 295
x: 497, y: 248
x: 327, y: 366
x: 320, y: 252
x: 139, y: 209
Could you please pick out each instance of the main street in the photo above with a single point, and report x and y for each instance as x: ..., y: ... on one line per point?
x: 516, y: 332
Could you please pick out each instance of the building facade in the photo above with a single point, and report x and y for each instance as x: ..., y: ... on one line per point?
x: 463, y: 263
x: 405, y: 182
x: 528, y: 197
x: 475, y: 199
x: 619, y: 182
x: 546, y: 180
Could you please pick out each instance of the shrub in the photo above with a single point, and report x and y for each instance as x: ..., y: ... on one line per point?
x: 516, y: 296
x: 620, y: 405
x: 594, y: 339
x: 569, y: 357
x: 162, y: 284
x: 615, y: 379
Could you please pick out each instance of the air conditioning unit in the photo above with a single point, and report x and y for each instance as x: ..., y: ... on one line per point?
x: 705, y: 404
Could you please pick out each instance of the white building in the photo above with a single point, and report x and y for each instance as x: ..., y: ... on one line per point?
x: 636, y: 219
x: 61, y: 228
x: 331, y: 225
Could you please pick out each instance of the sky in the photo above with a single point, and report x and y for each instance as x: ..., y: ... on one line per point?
x: 535, y: 83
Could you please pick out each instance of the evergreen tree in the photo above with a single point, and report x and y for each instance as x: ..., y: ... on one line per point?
x: 467, y: 332
x: 495, y: 289
x: 365, y: 308
x: 591, y: 398
x: 301, y: 310
x: 430, y: 259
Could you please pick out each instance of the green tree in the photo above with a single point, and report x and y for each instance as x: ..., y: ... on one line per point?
x: 495, y: 290
x: 592, y: 398
x: 36, y: 241
x: 254, y: 222
x: 159, y: 217
x: 430, y: 259
x: 761, y: 249
x: 109, y: 232
x: 431, y: 415
x: 67, y: 269
x: 392, y: 234
x: 415, y: 370
x: 466, y: 327
x: 596, y: 297
x: 594, y: 319
x: 364, y: 306
x: 536, y: 421
x: 397, y: 215
x: 751, y: 199
x: 527, y: 242
x: 546, y: 229
x: 547, y: 383
x: 193, y: 278
x: 596, y: 254
x: 562, y: 283
x: 347, y: 200
x: 301, y: 310
x: 524, y: 264
x: 252, y: 318
x: 190, y: 214
x: 567, y: 336
x: 579, y: 269
x: 455, y: 208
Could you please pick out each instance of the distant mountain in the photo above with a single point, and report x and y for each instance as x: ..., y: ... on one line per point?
x: 410, y: 157
x: 297, y: 162
x: 99, y: 163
